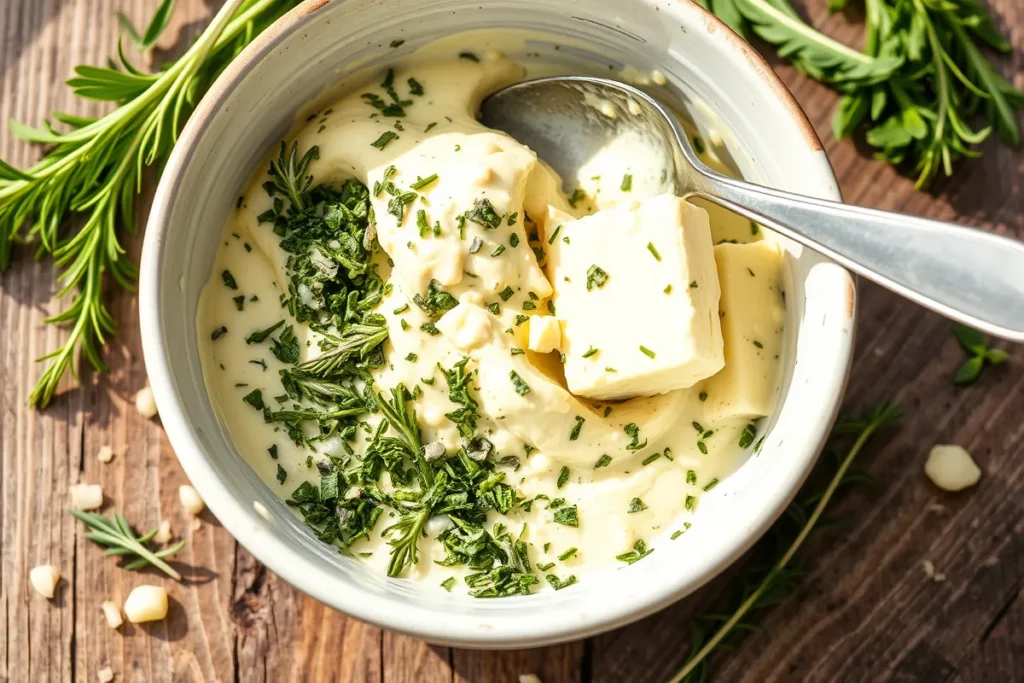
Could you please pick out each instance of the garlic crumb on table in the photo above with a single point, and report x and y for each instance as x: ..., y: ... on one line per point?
x: 163, y: 533
x: 86, y: 496
x: 190, y: 500
x: 145, y: 403
x: 105, y: 675
x: 105, y: 454
x: 112, y: 613
x: 44, y: 579
x: 146, y: 603
x: 951, y: 468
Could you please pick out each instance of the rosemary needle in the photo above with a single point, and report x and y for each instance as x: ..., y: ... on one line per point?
x: 120, y: 539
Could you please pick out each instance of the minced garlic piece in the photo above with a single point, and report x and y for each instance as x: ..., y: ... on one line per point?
x: 105, y: 454
x: 86, y: 496
x: 190, y: 500
x: 112, y: 613
x: 529, y: 678
x: 146, y: 603
x: 105, y: 675
x: 163, y: 533
x: 951, y: 468
x: 44, y: 579
x: 145, y: 403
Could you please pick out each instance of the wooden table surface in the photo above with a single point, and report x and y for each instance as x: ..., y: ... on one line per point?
x: 865, y: 611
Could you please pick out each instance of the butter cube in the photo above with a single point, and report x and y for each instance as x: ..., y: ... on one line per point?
x: 637, y: 290
x: 752, y: 319
x: 545, y: 333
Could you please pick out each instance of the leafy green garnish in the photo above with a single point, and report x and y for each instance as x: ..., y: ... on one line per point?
x: 921, y: 75
x: 567, y: 516
x: 120, y: 539
x: 522, y: 388
x: 639, y: 552
x: 976, y: 344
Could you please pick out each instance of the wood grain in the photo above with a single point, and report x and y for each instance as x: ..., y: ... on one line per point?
x: 865, y: 611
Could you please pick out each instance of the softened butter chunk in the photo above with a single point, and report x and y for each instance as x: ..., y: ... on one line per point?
x: 637, y: 290
x: 752, y: 317
x: 545, y: 333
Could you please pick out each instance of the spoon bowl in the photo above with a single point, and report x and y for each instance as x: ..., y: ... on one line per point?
x: 971, y: 276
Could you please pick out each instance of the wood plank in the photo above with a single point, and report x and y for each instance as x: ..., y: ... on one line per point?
x: 865, y: 611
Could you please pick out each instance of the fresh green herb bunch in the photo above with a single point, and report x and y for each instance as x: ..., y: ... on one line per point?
x: 94, y: 169
x: 766, y: 585
x: 919, y: 82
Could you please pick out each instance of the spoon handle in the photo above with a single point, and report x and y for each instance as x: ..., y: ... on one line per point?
x: 968, y: 275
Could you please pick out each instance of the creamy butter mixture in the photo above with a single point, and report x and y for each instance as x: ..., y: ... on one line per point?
x: 475, y: 221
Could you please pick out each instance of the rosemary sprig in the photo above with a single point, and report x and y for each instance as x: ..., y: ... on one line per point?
x: 767, y: 586
x: 920, y: 77
x: 95, y: 169
x: 120, y: 539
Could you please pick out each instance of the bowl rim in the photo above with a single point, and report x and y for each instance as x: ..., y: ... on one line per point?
x: 239, y: 518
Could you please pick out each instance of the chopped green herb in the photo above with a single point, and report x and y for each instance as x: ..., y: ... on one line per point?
x: 494, y: 308
x: 576, y: 197
x: 498, y: 250
x: 273, y: 452
x: 448, y: 584
x: 698, y: 144
x: 691, y: 502
x: 627, y: 182
x: 654, y: 252
x: 469, y: 55
x: 747, y: 436
x: 521, y: 387
x: 423, y: 182
x: 229, y: 280
x: 431, y: 329
x: 506, y: 293
x: 668, y: 289
x: 650, y: 458
x: 546, y: 566
x: 563, y: 477
x: 567, y: 516
x: 239, y: 301
x: 218, y: 333
x: 483, y: 213
x: 558, y: 228
x: 568, y: 554
x: 711, y: 484
x: 415, y: 87
x: 513, y: 240
x: 691, y: 477
x: 596, y: 277
x: 412, y: 357
x: 590, y: 352
x: 703, y: 396
x: 638, y: 553
x: 385, y: 137
x: 753, y: 228
x: 259, y: 336
x: 282, y: 475
x: 636, y: 505
x: 702, y: 447
x: 646, y: 351
x: 633, y: 432
x: 559, y: 584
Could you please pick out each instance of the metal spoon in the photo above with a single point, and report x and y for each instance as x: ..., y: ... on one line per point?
x: 971, y: 276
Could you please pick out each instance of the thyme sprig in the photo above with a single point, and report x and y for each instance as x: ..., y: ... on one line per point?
x: 95, y: 167
x: 120, y: 539
x: 767, y: 585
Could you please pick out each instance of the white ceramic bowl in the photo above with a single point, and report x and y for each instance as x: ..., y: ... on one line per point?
x: 252, y: 105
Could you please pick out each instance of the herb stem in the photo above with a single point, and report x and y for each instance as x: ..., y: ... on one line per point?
x: 880, y: 419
